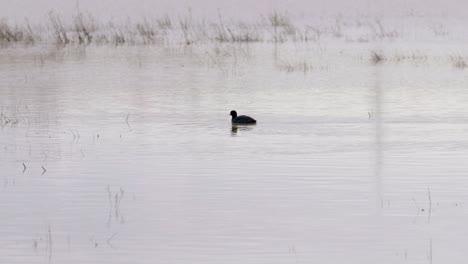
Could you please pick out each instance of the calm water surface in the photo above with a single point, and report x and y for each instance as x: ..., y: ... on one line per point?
x: 127, y: 155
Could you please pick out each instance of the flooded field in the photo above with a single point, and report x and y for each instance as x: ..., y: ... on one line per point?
x: 124, y: 152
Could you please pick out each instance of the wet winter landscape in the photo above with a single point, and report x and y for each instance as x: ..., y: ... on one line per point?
x: 116, y: 144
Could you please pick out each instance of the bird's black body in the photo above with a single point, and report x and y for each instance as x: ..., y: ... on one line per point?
x: 242, y: 119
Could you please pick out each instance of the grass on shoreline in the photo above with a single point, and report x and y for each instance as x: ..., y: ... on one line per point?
x: 276, y: 27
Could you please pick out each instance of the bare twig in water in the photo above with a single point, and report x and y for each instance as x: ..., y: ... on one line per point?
x: 126, y: 120
x: 114, y: 205
x: 73, y: 133
x: 418, y: 209
x: 35, y: 244
x: 110, y: 206
x: 118, y: 198
x: 430, y: 205
x: 18, y: 112
x: 292, y: 250
x: 46, y: 156
x: 417, y: 205
x: 430, y: 250
x: 108, y: 241
x: 377, y: 57
x: 49, y: 243
x: 95, y: 243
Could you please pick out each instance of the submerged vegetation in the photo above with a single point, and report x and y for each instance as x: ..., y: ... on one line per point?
x: 458, y: 61
x: 287, y: 66
x: 17, y: 33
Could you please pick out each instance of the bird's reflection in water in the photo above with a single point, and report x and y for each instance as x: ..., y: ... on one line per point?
x: 237, y: 128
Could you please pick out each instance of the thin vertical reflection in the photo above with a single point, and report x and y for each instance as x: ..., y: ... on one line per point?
x: 379, y: 134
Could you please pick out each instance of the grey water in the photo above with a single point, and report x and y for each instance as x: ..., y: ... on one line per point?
x: 127, y: 155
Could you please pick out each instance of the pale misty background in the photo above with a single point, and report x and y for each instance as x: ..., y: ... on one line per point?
x: 105, y: 9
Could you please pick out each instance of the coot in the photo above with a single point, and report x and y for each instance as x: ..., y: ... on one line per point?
x: 241, y: 119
